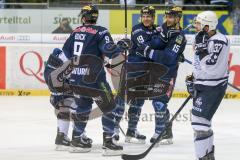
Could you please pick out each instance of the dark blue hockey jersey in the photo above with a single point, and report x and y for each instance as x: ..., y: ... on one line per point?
x: 87, y: 39
x: 140, y: 35
x: 167, y: 47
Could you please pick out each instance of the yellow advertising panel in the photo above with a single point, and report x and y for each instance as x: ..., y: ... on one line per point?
x: 116, y: 21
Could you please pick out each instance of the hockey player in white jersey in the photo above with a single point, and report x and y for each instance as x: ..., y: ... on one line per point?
x: 208, y: 83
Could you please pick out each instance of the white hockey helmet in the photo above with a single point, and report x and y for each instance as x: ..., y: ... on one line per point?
x: 208, y: 18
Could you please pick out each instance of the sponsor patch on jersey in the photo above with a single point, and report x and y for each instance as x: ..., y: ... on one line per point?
x: 86, y: 29
x: 179, y: 39
x: 103, y: 32
x: 81, y: 71
x: 136, y: 31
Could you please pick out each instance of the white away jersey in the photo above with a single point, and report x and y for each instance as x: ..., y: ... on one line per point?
x: 213, y: 68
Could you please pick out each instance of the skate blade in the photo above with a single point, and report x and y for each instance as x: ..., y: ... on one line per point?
x: 79, y: 150
x: 166, y: 141
x: 61, y: 148
x: 134, y: 140
x: 108, y: 152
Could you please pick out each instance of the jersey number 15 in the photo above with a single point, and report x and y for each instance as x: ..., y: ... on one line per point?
x: 176, y: 48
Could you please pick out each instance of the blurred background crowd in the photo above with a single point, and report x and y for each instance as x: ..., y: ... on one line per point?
x: 232, y: 6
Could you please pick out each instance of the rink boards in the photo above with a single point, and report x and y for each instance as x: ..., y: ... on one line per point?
x: 22, y: 65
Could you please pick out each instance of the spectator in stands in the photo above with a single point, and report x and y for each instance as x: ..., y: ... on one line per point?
x: 107, y: 1
x: 197, y: 2
x: 129, y: 2
x: 64, y: 27
x: 176, y: 2
x: 141, y: 1
x: 2, y: 5
x: 220, y: 2
x: 156, y: 1
x: 236, y: 20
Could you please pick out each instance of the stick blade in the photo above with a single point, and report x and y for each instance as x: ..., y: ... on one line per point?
x: 133, y: 157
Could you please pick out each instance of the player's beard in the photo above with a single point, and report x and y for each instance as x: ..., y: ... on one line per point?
x: 175, y: 24
x: 149, y: 24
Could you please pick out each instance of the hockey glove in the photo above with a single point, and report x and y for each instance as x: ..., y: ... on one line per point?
x: 201, y: 44
x: 181, y: 58
x: 190, y: 85
x: 143, y: 50
x: 124, y: 44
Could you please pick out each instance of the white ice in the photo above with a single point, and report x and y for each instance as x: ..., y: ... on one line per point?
x: 28, y: 130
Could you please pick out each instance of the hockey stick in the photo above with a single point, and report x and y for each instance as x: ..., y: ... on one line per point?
x: 142, y: 155
x: 125, y: 32
x: 125, y: 55
x: 231, y: 85
x: 125, y: 9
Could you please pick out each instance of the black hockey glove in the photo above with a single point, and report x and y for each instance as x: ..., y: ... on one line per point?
x: 181, y: 58
x: 125, y: 44
x: 201, y: 44
x: 190, y: 85
x: 143, y: 50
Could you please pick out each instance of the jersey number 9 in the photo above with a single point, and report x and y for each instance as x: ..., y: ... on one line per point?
x: 78, y: 46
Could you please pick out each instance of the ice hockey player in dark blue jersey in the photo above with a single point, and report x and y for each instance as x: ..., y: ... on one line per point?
x: 141, y: 33
x: 58, y: 101
x: 166, y: 48
x: 96, y: 42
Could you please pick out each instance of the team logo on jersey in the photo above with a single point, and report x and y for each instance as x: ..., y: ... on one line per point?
x: 198, y: 101
x: 179, y: 39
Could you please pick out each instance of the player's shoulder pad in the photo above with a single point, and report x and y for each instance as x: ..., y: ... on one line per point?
x: 219, y: 38
x: 137, y: 29
x: 76, y: 29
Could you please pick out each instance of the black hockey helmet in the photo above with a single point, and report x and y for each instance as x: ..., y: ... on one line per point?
x: 148, y: 10
x: 175, y: 11
x: 90, y: 13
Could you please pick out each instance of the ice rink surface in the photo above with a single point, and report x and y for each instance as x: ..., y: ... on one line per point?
x: 28, y: 130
